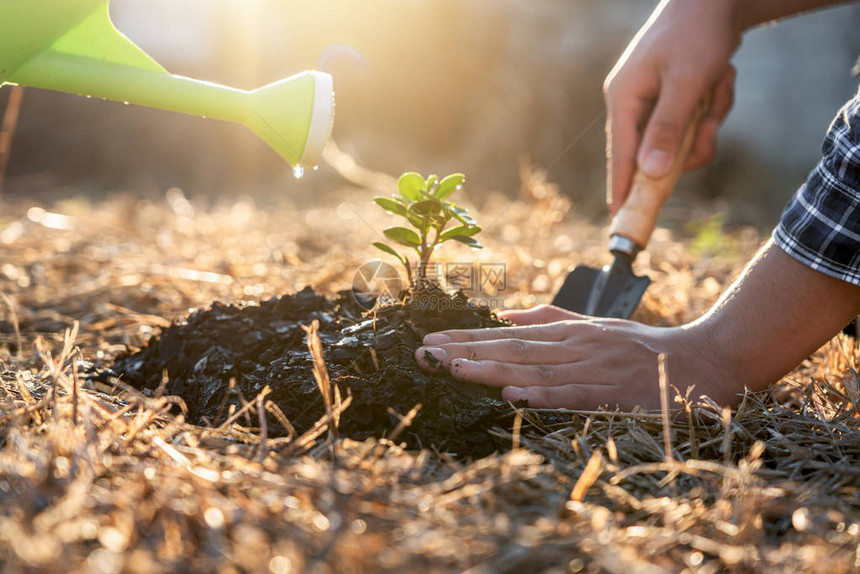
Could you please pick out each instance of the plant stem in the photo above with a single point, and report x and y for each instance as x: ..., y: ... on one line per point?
x: 425, y: 256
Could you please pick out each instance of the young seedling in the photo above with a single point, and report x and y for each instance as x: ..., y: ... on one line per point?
x: 421, y: 202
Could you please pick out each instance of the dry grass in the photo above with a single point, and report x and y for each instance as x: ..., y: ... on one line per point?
x: 106, y: 479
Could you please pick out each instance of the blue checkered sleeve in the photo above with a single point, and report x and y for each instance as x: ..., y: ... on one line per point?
x: 820, y: 227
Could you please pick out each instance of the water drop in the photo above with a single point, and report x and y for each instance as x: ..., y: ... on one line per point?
x: 316, y: 168
x: 126, y: 103
x: 298, y: 171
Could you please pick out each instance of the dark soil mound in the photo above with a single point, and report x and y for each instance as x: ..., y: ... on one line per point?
x: 259, y: 345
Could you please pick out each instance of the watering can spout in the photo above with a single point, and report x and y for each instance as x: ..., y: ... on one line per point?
x: 75, y: 48
x: 313, y: 91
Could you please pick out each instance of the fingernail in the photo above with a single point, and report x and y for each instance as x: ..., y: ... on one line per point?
x: 436, y: 339
x: 515, y: 393
x: 656, y: 162
x: 432, y: 356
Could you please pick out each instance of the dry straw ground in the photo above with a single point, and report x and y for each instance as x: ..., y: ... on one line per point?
x: 103, y: 479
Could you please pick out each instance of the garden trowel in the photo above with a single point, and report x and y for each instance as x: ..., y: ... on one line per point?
x: 614, y: 291
x: 72, y: 46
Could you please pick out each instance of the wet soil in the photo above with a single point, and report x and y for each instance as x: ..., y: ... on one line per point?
x: 262, y: 344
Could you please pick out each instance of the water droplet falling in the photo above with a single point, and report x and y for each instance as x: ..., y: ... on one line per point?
x: 298, y: 171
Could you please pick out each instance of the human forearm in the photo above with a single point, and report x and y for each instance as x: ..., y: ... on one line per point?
x: 776, y: 314
x: 749, y: 13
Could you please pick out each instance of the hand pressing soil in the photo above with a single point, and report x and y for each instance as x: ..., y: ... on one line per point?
x: 369, y: 353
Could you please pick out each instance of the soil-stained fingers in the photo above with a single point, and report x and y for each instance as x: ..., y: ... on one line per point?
x: 517, y: 351
x: 549, y: 332
x: 550, y: 386
x: 504, y: 374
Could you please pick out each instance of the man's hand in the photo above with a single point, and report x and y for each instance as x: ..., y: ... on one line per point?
x: 775, y: 315
x: 680, y: 56
x: 558, y: 359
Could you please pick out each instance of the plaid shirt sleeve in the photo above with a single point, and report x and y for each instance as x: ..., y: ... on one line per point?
x: 820, y: 227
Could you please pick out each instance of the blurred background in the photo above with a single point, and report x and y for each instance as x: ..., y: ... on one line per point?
x: 432, y: 86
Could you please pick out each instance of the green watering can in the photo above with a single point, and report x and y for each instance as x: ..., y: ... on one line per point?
x: 72, y: 46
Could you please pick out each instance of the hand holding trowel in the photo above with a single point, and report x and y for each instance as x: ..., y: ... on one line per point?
x: 615, y: 291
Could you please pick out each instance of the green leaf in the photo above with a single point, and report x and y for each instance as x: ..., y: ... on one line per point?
x: 410, y: 185
x: 403, y: 236
x: 449, y: 185
x: 416, y: 221
x: 461, y: 214
x: 426, y: 208
x: 470, y: 241
x: 390, y: 205
x: 390, y: 250
x: 462, y: 230
x: 430, y: 182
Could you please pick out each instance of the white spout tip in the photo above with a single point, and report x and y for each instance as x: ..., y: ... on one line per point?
x: 322, y: 118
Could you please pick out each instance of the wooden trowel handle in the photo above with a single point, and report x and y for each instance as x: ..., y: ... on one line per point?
x: 638, y: 215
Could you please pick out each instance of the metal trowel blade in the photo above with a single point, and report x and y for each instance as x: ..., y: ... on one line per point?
x: 613, y: 291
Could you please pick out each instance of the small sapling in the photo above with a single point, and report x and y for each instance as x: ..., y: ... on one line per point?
x: 432, y: 220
